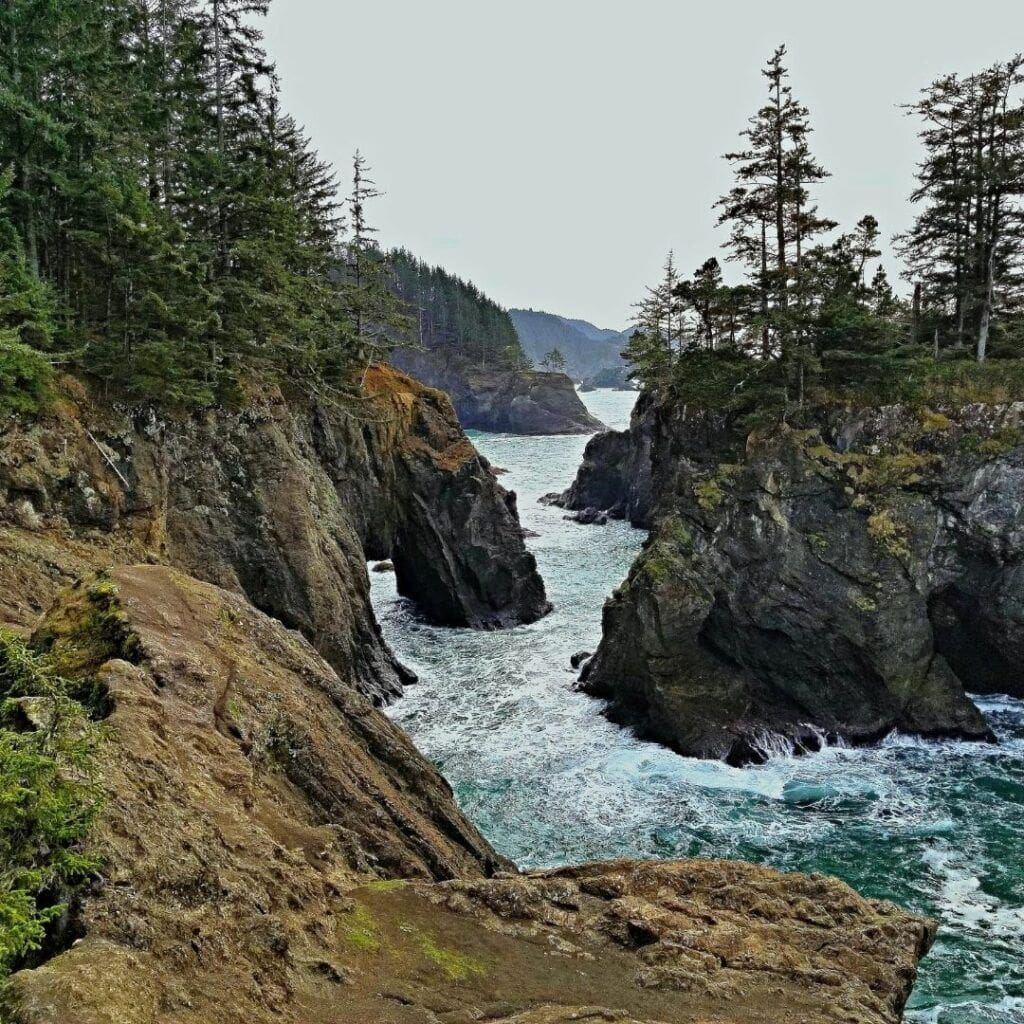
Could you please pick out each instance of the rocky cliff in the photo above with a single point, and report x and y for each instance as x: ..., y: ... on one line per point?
x: 283, y: 502
x: 261, y: 816
x: 837, y: 582
x: 523, y: 402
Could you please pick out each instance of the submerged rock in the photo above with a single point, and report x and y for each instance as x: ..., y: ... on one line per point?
x: 838, y: 582
x: 520, y: 402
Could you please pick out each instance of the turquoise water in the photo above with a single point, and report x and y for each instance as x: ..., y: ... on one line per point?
x: 938, y: 827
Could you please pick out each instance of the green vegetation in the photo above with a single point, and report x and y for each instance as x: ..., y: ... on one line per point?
x: 165, y: 228
x: 816, y: 321
x: 553, y: 361
x: 454, y: 317
x: 361, y: 930
x: 456, y: 966
x: 49, y: 798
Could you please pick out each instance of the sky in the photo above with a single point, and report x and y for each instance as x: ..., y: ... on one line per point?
x: 553, y: 152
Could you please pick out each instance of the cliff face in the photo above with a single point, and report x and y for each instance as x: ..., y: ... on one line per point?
x: 283, y: 503
x: 261, y: 814
x: 840, y: 582
x: 525, y: 402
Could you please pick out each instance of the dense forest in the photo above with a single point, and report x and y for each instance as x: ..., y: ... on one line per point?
x: 816, y: 314
x: 165, y: 227
x: 453, y: 317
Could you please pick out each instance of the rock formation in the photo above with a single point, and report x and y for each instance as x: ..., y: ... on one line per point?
x: 524, y: 402
x: 261, y: 814
x: 284, y: 503
x: 838, y: 582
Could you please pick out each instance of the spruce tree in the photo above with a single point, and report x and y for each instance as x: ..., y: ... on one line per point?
x: 770, y: 210
x: 964, y: 250
x: 377, y: 317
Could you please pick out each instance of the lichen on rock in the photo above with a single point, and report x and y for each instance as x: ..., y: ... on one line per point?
x: 836, y: 582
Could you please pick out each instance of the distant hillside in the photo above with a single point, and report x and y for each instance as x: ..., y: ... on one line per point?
x: 587, y: 349
x: 452, y: 317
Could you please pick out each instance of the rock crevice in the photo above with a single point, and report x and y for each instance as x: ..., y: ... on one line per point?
x: 836, y: 582
x: 284, y: 503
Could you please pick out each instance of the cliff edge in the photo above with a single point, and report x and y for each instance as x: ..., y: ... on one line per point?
x: 503, y: 401
x: 831, y: 583
x: 283, y: 502
x: 274, y: 849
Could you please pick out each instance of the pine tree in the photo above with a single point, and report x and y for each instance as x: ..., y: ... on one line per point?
x: 703, y: 296
x: 378, y: 319
x: 659, y: 313
x: 553, y: 362
x: 453, y: 319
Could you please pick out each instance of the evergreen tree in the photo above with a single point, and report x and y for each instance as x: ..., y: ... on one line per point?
x: 184, y: 231
x: 453, y: 318
x: 378, y: 319
x: 659, y: 313
x: 554, y: 362
x: 770, y: 211
x: 964, y: 250
x: 703, y: 296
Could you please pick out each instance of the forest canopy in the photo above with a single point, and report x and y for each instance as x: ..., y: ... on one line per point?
x: 452, y: 316
x: 815, y: 315
x: 165, y: 227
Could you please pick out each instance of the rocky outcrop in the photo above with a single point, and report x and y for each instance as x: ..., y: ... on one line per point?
x: 831, y: 583
x: 260, y: 815
x: 283, y: 502
x: 523, y: 402
x: 615, y: 475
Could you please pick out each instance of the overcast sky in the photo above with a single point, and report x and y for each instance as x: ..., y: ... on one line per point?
x: 552, y: 151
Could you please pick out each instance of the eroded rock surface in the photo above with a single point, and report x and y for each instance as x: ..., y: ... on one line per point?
x: 284, y: 503
x: 842, y: 581
x: 260, y: 815
x: 524, y: 402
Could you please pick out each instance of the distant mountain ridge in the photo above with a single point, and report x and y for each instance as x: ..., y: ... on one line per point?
x: 588, y: 349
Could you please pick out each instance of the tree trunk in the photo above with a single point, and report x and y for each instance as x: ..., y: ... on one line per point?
x: 766, y: 347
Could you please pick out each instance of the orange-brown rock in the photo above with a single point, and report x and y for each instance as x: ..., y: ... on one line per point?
x: 282, y: 502
x: 261, y: 816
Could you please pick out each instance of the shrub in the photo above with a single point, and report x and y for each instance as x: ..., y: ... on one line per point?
x: 49, y: 798
x: 25, y: 376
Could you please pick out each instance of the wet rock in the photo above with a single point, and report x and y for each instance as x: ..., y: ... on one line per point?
x: 589, y: 516
x: 384, y: 566
x: 580, y: 657
x: 844, y: 580
x: 615, y: 472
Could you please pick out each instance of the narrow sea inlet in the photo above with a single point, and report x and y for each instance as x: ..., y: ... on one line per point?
x: 937, y: 827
